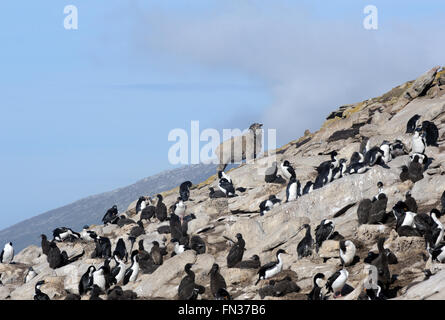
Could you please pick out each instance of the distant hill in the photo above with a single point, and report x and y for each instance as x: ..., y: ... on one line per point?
x: 90, y: 210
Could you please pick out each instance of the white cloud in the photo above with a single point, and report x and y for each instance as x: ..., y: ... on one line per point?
x: 310, y: 66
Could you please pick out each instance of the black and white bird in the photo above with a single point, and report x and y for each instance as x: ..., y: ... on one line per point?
x: 236, y: 252
x: 411, y: 125
x: 374, y: 156
x: 179, y: 209
x: 99, y: 278
x: 287, y: 169
x: 336, y: 282
x: 304, y: 247
x: 404, y: 218
x: 178, y: 247
x: 103, y: 248
x: 316, y: 293
x: 308, y: 187
x: 132, y: 272
x: 141, y: 204
x: 323, y: 231
x: 436, y: 252
x: 87, y: 235
x: 86, y: 281
x: 268, y: 204
x: 7, y: 254
x: 398, y: 148
x: 217, y: 281
x: 326, y: 164
x: 121, y: 251
x: 340, y: 171
x: 385, y: 146
x: 222, y: 174
x: 184, y: 190
x: 418, y: 142
x: 39, y: 295
x: 293, y: 190
x: 227, y: 187
x: 347, y: 252
x: 62, y: 233
x: 30, y: 274
x: 149, y: 211
x: 111, y: 215
x: 380, y: 190
x: 272, y: 268
x: 188, y: 289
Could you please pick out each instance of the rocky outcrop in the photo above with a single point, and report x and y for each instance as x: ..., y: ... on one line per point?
x: 381, y: 118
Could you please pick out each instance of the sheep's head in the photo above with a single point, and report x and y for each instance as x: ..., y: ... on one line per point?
x: 256, y: 126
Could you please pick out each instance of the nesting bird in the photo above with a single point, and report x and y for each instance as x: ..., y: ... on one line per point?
x: 272, y: 268
x: 268, y: 204
x: 188, y: 289
x: 316, y: 293
x: 347, y: 252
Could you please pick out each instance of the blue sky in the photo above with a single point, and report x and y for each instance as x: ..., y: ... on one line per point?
x: 89, y: 110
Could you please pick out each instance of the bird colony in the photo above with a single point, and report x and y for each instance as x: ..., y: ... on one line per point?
x: 353, y: 211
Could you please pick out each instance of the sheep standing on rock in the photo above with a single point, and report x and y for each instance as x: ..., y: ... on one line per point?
x: 243, y: 147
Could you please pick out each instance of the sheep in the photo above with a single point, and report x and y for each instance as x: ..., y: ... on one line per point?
x: 240, y: 148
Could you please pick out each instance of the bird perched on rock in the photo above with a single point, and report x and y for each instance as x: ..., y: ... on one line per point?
x: 7, y: 254
x: 323, y: 231
x: 287, y: 169
x: 39, y: 295
x: 86, y: 281
x: 337, y: 281
x: 268, y: 204
x: 111, y: 215
x: 45, y: 244
x: 252, y: 263
x: 188, y: 289
x: 304, y: 247
x: 272, y: 268
x: 184, y: 190
x: 138, y: 230
x: 148, y: 212
x: 316, y: 293
x: 347, y: 252
x: 132, y: 272
x: 216, y: 280
x: 197, y: 244
x: 216, y: 194
x: 293, y: 190
x: 236, y: 252
x: 141, y: 204
x: 29, y: 275
x: 161, y: 209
